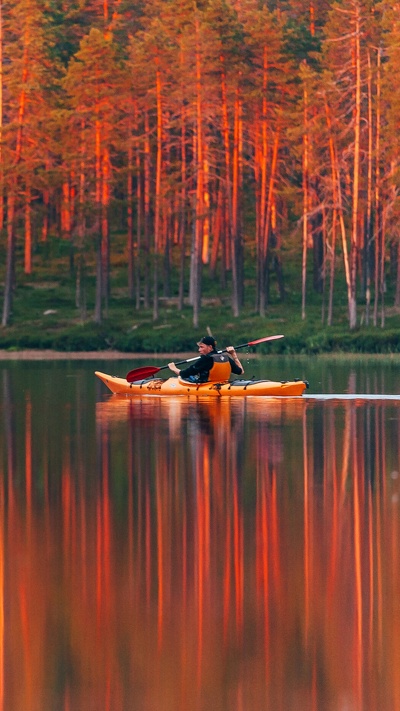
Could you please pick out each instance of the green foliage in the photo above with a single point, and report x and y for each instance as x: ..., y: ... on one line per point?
x: 45, y: 319
x: 300, y: 44
x: 45, y: 315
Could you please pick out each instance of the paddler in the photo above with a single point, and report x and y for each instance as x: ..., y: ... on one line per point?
x: 211, y: 366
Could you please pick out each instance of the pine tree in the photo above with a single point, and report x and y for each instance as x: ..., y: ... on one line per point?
x: 93, y: 84
x: 346, y: 58
x: 31, y: 81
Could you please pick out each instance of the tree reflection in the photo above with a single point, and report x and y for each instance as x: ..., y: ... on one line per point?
x: 231, y: 555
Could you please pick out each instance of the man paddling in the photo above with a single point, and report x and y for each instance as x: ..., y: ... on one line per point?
x: 211, y: 366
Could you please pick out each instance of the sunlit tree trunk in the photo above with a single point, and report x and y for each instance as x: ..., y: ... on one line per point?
x: 379, y: 237
x: 147, y: 216
x: 167, y: 243
x: 200, y: 185
x: 368, y: 229
x: 12, y: 196
x: 216, y: 230
x: 65, y: 218
x: 356, y: 174
x: 312, y: 19
x: 306, y: 205
x: 337, y: 201
x: 98, y: 312
x: 182, y: 207
x: 139, y: 215
x: 28, y: 231
x: 105, y: 232
x: 227, y: 153
x: 129, y: 199
x: 45, y: 224
x: 236, y: 251
x: 80, y: 286
x: 205, y: 254
x: 382, y: 274
x: 267, y: 223
x: 1, y: 121
x: 157, y: 200
x: 261, y: 160
x: 332, y: 266
x: 397, y: 292
x: 9, y: 275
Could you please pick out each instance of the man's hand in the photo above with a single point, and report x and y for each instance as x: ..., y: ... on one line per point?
x: 232, y: 352
x: 174, y: 369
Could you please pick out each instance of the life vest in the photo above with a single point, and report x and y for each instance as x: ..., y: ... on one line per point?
x: 221, y: 369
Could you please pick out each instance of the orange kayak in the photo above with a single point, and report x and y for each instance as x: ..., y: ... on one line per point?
x: 177, y: 386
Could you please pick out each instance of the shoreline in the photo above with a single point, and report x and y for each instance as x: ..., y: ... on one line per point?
x: 37, y: 355
x: 83, y: 355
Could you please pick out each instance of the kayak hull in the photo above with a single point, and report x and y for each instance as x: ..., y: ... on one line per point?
x: 177, y: 386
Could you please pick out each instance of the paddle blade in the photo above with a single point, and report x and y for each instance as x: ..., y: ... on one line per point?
x: 140, y: 373
x: 267, y: 338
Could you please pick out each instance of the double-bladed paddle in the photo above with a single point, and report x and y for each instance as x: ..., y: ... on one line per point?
x: 148, y: 370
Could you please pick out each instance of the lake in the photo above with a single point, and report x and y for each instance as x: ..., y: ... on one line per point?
x: 162, y: 554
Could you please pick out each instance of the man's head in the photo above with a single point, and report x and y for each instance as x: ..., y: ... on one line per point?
x: 206, y: 345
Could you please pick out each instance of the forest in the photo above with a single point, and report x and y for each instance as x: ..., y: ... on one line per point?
x: 233, y: 138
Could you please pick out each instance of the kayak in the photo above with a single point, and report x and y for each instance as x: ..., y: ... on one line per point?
x: 178, y: 386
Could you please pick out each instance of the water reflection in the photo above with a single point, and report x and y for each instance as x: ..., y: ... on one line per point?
x: 164, y: 554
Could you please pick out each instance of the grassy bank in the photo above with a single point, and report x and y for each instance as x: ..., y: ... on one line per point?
x: 44, y: 320
x: 45, y: 316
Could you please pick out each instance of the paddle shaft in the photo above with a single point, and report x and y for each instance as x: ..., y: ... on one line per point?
x: 146, y: 371
x: 236, y: 348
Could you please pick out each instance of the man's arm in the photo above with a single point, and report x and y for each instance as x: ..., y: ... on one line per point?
x: 193, y: 369
x: 236, y: 365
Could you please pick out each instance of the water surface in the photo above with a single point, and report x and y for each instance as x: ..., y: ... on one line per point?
x: 162, y: 553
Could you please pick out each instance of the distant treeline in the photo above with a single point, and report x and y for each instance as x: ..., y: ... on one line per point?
x: 211, y: 133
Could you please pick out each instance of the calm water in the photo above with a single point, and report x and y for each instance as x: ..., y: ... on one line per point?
x: 172, y: 555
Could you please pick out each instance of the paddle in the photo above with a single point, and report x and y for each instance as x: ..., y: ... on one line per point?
x: 147, y: 370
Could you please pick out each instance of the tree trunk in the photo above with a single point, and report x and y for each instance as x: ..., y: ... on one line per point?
x: 306, y: 205
x: 129, y: 198
x: 379, y: 236
x: 28, y: 231
x: 382, y: 274
x: 45, y: 225
x: 182, y: 197
x: 1, y: 121
x: 98, y: 309
x: 397, y: 294
x: 267, y: 225
x: 332, y: 267
x: 318, y: 252
x: 356, y: 177
x: 182, y: 210
x: 228, y: 222
x: 157, y: 199
x: 147, y: 216
x: 80, y: 286
x: 235, y: 233
x: 337, y: 200
x: 368, y: 225
x: 105, y: 232
x: 200, y: 186
x: 9, y: 275
x: 261, y: 168
x: 139, y: 213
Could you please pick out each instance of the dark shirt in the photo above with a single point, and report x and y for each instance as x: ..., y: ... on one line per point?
x: 201, y: 368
